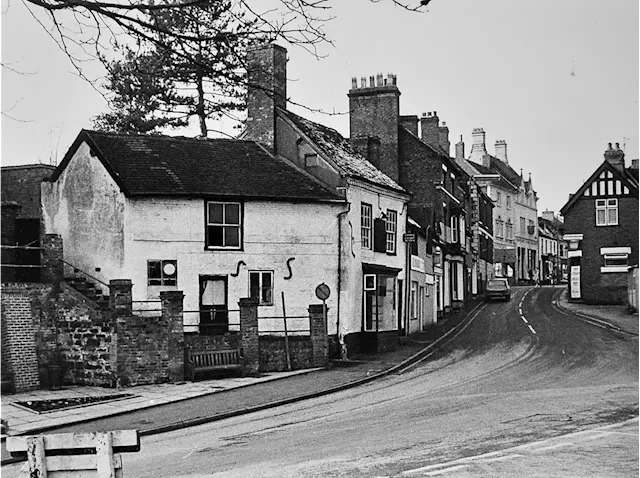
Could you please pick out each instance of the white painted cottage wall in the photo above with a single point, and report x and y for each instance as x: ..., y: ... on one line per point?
x: 87, y: 209
x: 273, y: 232
x: 354, y: 255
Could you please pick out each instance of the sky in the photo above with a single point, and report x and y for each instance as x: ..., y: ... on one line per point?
x: 556, y: 79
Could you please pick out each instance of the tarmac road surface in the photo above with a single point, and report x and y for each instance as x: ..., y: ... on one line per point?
x: 526, y: 389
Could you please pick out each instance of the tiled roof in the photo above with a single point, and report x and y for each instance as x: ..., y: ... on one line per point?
x: 503, y: 181
x: 166, y: 165
x: 339, y: 150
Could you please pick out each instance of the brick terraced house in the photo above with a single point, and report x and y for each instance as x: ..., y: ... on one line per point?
x: 372, y: 293
x: 415, y: 152
x: 601, y: 227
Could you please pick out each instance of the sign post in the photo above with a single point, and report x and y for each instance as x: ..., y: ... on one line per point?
x: 323, y: 292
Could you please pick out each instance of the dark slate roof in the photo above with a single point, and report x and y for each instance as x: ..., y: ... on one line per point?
x: 144, y: 165
x: 503, y: 182
x: 339, y: 150
x: 481, y: 169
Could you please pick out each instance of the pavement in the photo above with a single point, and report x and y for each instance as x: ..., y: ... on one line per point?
x: 159, y: 408
x: 616, y: 316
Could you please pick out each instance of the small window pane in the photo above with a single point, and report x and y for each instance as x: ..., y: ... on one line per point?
x: 266, y: 279
x: 613, y: 217
x: 215, y: 213
x: 254, y: 285
x: 232, y: 214
x: 600, y: 217
x: 231, y: 236
x: 154, y: 270
x: 215, y: 236
x: 600, y: 202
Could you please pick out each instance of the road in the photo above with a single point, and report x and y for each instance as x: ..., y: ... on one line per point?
x: 525, y: 389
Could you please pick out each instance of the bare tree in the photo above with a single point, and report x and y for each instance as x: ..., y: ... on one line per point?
x: 95, y: 28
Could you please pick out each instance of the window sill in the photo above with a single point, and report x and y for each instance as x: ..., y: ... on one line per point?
x: 614, y: 269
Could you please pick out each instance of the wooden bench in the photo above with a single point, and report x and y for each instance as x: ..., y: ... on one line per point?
x: 212, y: 360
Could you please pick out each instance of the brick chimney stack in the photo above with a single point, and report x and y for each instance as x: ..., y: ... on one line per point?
x: 460, y: 149
x: 374, y: 110
x: 501, y: 151
x: 410, y: 123
x: 267, y: 90
x: 429, y: 128
x: 615, y: 157
x: 444, y: 138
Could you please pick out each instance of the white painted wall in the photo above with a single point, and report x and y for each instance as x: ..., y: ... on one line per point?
x: 273, y: 232
x: 354, y: 255
x: 86, y: 207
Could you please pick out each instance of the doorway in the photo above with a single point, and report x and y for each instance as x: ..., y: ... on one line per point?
x: 214, y: 314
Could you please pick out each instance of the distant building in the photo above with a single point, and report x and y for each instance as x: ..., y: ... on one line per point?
x: 601, y: 227
x: 552, y: 249
x: 515, y: 209
x: 21, y: 220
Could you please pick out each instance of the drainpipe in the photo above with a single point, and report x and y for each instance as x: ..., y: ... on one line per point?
x: 340, y: 216
x: 407, y: 285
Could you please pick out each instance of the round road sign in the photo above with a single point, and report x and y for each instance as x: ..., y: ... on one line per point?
x: 323, y: 291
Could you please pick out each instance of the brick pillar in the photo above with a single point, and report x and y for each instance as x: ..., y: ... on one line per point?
x: 319, y: 338
x: 120, y: 297
x: 249, y: 334
x: 172, y: 307
x: 9, y: 212
x: 51, y: 257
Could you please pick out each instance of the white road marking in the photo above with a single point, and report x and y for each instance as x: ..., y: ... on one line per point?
x: 552, y: 447
x: 446, y: 470
x: 501, y: 458
x: 525, y: 320
x: 596, y: 436
x: 531, y: 329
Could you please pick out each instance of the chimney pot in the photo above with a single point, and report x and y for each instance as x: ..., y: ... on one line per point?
x: 354, y: 82
x: 379, y: 81
x: 617, y: 146
x: 424, y: 114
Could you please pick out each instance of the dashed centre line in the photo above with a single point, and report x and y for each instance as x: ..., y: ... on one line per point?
x: 523, y: 317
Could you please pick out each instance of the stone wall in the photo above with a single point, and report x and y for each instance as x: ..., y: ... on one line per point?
x: 273, y: 357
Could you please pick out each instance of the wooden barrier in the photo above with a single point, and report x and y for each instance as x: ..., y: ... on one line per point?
x: 93, y: 454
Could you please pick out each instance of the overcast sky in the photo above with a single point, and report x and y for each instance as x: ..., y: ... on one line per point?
x: 556, y: 79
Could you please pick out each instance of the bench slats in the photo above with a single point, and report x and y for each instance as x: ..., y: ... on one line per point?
x: 229, y: 359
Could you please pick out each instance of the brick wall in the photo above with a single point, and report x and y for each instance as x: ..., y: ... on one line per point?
x: 17, y: 323
x: 22, y: 185
x: 374, y: 111
x: 609, y: 287
x: 149, y: 349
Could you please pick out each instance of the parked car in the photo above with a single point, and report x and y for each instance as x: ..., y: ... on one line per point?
x: 498, y: 289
